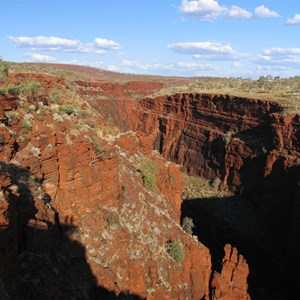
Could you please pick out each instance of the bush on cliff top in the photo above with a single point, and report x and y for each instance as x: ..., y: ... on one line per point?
x: 148, y: 170
x: 66, y: 109
x: 188, y: 225
x: 176, y: 251
x: 15, y: 90
x: 3, y: 70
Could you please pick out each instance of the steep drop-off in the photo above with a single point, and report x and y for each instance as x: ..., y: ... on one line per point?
x: 77, y: 220
x: 248, y: 146
x: 77, y: 223
x: 251, y: 148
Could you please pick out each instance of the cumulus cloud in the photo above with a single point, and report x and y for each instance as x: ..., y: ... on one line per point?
x: 294, y: 20
x: 202, y: 9
x: 236, y: 12
x: 106, y: 44
x: 134, y: 65
x: 94, y: 64
x: 209, y: 10
x: 264, y: 12
x: 205, y: 50
x: 171, y: 68
x: 280, y: 56
x: 272, y: 68
x: 40, y: 57
x: 52, y: 43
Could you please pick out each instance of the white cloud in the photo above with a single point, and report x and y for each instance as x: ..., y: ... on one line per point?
x: 112, y: 68
x: 294, y: 20
x: 106, y: 44
x: 236, y: 12
x: 95, y: 64
x: 272, y: 68
x: 282, y: 51
x: 52, y: 43
x: 209, y: 10
x: 237, y: 64
x: 264, y: 12
x: 202, y: 9
x: 40, y: 57
x: 173, y: 68
x: 205, y: 50
x: 100, y: 51
x: 280, y: 56
x: 145, y: 67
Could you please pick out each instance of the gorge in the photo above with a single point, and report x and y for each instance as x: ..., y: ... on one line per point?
x: 77, y: 221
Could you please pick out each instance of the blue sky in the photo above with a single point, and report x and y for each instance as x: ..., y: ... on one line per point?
x: 247, y: 38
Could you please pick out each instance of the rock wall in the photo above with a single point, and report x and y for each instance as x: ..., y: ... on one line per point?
x: 78, y: 225
x: 253, y: 148
x: 231, y: 283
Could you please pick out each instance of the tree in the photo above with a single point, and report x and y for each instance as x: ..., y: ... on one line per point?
x: 3, y: 70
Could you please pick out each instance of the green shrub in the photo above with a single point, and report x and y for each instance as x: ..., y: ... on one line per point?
x: 32, y: 88
x: 3, y: 70
x: 172, y: 180
x: 25, y: 125
x: 2, y: 139
x: 2, y: 91
x: 99, y: 149
x: 23, y: 104
x: 55, y: 97
x: 227, y: 137
x: 148, y: 170
x: 67, y: 109
x: 42, y: 110
x: 188, y: 225
x: 12, y: 115
x: 176, y: 251
x: 215, y: 183
x: 15, y: 89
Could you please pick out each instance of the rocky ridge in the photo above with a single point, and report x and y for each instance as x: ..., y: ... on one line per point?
x: 73, y: 196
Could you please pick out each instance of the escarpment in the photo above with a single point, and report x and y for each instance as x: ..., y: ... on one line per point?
x: 247, y: 146
x: 91, y: 194
x: 78, y: 220
x: 251, y: 148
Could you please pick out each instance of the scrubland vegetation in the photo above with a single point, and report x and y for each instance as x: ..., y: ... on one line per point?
x: 286, y: 91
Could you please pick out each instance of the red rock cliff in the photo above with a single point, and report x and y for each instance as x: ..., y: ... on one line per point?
x: 76, y: 224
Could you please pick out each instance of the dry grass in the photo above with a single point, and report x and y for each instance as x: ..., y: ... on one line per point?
x: 199, y: 188
x: 285, y: 91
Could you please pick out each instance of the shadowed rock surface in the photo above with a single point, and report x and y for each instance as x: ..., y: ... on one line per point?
x: 77, y: 221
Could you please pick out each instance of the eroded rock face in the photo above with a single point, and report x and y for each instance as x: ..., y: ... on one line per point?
x: 78, y: 225
x: 254, y: 149
x: 232, y: 282
x: 65, y: 207
x: 209, y: 135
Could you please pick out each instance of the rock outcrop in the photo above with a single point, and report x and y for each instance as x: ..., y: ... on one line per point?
x: 252, y: 148
x: 232, y: 282
x: 77, y: 221
x: 73, y: 194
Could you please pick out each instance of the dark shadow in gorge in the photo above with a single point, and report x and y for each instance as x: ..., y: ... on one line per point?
x: 233, y: 220
x: 41, y: 261
x: 262, y: 221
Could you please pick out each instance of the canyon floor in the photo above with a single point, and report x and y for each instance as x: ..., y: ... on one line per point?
x: 117, y: 186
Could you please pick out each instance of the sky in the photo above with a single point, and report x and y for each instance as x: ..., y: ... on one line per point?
x: 236, y: 38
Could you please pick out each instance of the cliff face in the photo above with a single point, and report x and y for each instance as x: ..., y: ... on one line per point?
x: 77, y: 221
x: 208, y: 135
x: 254, y: 150
x: 231, y: 283
x: 74, y: 197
